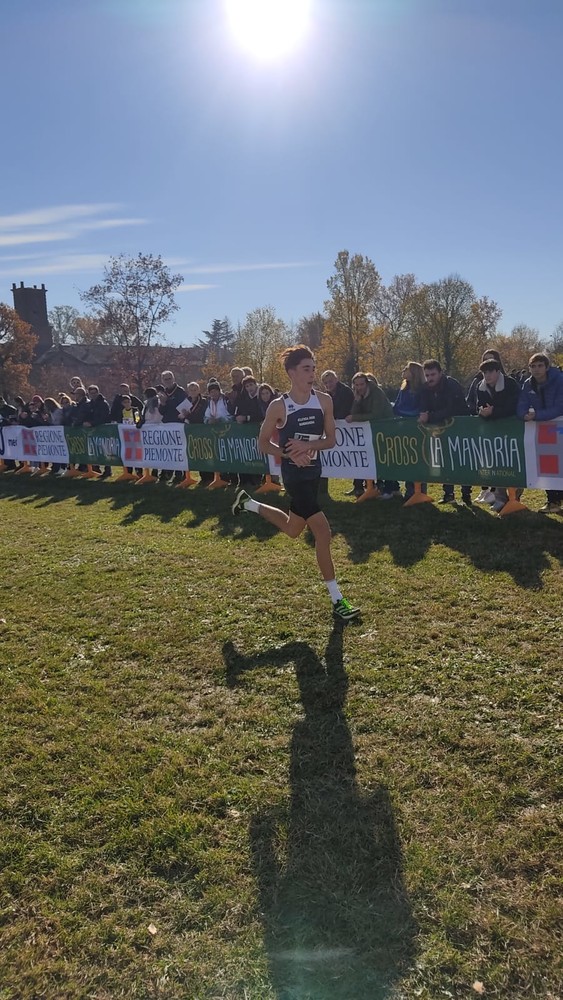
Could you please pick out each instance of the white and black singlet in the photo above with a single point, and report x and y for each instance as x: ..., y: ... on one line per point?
x: 304, y: 422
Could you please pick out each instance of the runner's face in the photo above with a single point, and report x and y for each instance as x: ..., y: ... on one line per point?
x: 303, y: 376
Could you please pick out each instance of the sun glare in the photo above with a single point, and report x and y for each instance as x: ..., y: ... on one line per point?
x: 268, y: 29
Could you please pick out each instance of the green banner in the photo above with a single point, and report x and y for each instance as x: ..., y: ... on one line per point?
x: 94, y: 445
x: 462, y: 450
x: 225, y: 448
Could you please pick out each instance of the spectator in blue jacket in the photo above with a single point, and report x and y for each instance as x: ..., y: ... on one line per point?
x: 541, y: 398
x: 407, y: 404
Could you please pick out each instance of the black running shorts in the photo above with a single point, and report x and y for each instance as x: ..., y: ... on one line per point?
x: 303, y: 497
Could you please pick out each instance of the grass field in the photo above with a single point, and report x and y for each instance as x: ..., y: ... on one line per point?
x: 208, y: 791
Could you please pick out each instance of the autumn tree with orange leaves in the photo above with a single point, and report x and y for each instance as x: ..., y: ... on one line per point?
x: 17, y: 343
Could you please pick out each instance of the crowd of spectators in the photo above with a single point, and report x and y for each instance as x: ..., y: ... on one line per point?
x: 426, y: 393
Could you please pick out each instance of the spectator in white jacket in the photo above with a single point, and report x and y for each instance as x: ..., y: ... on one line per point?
x: 217, y: 410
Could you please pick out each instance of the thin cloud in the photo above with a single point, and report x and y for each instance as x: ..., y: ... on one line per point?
x: 19, y: 239
x: 236, y: 268
x: 114, y: 223
x: 58, y: 213
x: 66, y: 264
x: 62, y: 222
x: 195, y: 288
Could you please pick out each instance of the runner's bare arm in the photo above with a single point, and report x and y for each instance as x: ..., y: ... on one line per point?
x: 274, y: 414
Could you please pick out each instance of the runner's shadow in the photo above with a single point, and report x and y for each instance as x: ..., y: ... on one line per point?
x: 336, y: 915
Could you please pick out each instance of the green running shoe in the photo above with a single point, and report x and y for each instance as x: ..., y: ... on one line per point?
x: 240, y: 500
x: 344, y: 610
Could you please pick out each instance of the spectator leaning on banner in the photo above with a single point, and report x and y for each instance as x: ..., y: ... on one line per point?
x: 237, y: 375
x: 341, y: 394
x: 248, y: 405
x: 198, y: 404
x: 150, y: 412
x: 541, y: 398
x: 81, y: 407
x: 98, y: 413
x: 195, y: 415
x: 170, y: 398
x: 248, y: 411
x: 216, y: 411
x: 496, y: 396
x: 471, y: 398
x: 8, y: 414
x: 407, y: 404
x: 342, y: 398
x: 117, y: 407
x: 442, y: 397
x: 371, y: 403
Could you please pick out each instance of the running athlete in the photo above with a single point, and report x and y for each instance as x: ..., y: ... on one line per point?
x: 304, y: 423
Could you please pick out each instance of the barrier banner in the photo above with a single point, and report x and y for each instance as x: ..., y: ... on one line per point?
x: 543, y: 442
x: 463, y: 450
x: 353, y: 456
x: 225, y: 448
x: 154, y: 446
x: 34, y: 444
x: 93, y: 445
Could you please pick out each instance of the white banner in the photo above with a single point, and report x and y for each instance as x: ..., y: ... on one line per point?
x: 154, y: 446
x: 543, y: 448
x: 352, y: 457
x: 34, y: 444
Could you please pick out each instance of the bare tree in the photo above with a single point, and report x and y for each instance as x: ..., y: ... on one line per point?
x: 309, y: 330
x: 351, y: 308
x: 131, y: 303
x: 259, y: 342
x: 450, y: 324
x: 63, y: 324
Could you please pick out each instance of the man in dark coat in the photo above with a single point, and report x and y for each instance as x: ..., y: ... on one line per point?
x: 170, y: 400
x: 116, y: 411
x: 443, y: 397
x: 98, y: 413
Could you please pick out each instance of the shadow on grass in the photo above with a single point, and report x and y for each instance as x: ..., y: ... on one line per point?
x: 336, y: 915
x: 520, y: 545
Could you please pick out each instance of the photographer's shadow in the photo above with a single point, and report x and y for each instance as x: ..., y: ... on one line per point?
x: 337, y: 919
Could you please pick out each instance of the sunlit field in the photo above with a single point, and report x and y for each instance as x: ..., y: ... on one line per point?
x: 210, y: 791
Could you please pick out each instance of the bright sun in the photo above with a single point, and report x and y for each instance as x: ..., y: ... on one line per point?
x: 268, y: 28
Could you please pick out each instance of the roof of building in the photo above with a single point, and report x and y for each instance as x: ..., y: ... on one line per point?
x: 103, y: 354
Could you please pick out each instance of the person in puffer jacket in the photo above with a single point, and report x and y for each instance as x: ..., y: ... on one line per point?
x: 541, y: 398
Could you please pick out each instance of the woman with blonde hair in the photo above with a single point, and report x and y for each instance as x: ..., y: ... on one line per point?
x: 407, y: 403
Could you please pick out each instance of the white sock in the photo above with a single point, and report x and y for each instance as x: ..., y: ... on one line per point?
x: 252, y: 505
x: 334, y: 590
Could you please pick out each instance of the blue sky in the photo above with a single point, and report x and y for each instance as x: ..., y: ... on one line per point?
x: 425, y: 134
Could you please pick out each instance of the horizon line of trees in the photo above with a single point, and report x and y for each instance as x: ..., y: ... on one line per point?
x: 365, y: 325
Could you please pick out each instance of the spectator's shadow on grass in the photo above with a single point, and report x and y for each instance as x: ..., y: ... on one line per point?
x: 520, y: 544
x: 336, y: 915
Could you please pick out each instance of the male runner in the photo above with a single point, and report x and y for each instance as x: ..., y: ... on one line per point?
x: 300, y: 417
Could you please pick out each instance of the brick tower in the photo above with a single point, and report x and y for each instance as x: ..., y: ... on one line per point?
x: 31, y: 306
